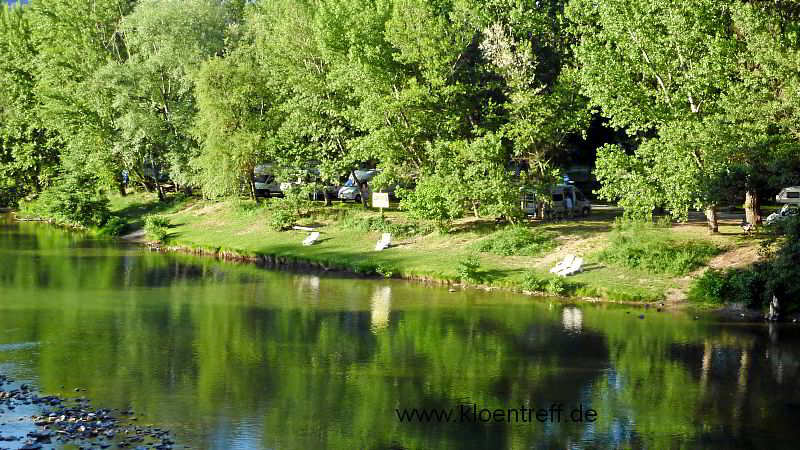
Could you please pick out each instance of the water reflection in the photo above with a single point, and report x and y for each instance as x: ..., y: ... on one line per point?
x: 572, y: 317
x: 381, y: 306
x: 235, y: 356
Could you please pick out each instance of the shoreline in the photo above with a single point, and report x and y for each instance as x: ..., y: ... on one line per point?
x: 362, y: 263
x: 734, y: 312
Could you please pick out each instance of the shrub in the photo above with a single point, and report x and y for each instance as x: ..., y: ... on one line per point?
x: 156, y: 228
x: 469, y: 268
x: 114, y: 226
x: 385, y: 270
x: 532, y: 282
x: 557, y: 286
x: 76, y: 200
x: 281, y: 219
x: 517, y: 240
x: 709, y: 288
x: 434, y: 198
x: 651, y: 250
x: 755, y: 286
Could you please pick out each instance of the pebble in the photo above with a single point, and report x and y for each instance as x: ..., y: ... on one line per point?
x: 73, y: 423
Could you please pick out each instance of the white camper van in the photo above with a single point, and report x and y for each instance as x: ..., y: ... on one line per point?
x: 789, y: 195
x: 565, y: 201
x: 264, y: 181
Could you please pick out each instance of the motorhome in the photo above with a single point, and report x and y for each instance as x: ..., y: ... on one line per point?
x: 789, y: 195
x: 565, y: 200
x: 264, y: 181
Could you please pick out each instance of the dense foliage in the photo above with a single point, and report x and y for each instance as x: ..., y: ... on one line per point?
x: 775, y: 275
x: 468, y: 101
x: 75, y: 200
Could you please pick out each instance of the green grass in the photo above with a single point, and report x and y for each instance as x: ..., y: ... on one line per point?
x: 349, y: 233
x: 517, y: 240
x: 654, y: 250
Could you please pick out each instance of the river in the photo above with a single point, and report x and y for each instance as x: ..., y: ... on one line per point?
x: 234, y: 356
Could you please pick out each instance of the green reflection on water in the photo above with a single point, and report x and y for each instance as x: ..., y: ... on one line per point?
x: 236, y: 356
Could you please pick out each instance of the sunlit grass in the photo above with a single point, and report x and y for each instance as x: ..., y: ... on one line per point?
x: 349, y: 233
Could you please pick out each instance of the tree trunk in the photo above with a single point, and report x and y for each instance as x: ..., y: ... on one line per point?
x: 752, y: 208
x: 360, y: 188
x: 475, y: 210
x: 711, y: 219
x: 160, y: 189
x: 253, y: 192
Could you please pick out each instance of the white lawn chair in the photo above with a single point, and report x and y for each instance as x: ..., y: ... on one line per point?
x: 311, y: 238
x: 563, y: 264
x: 385, y: 242
x: 577, y: 266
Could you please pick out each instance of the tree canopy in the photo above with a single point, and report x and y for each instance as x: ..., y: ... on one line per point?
x: 468, y: 101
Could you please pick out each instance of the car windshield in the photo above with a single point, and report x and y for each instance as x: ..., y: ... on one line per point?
x: 350, y: 182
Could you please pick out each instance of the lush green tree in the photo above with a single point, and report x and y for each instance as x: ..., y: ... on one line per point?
x: 73, y: 40
x: 74, y: 199
x: 236, y: 122
x: 760, y: 109
x: 154, y: 107
x: 28, y: 149
x: 528, y: 46
x: 656, y: 69
x: 703, y: 86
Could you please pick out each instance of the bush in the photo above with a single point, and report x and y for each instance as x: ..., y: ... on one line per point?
x: 650, y: 249
x: 281, y: 219
x: 434, y: 198
x: 709, y: 288
x: 385, y: 270
x: 552, y: 285
x: 469, y: 268
x: 517, y: 240
x: 75, y: 200
x: 532, y: 282
x: 114, y: 226
x: 754, y: 286
x: 156, y: 228
x: 558, y: 286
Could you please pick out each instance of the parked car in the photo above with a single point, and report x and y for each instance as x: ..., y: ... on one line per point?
x: 790, y: 197
x: 788, y: 210
x: 561, y: 196
x: 350, y: 189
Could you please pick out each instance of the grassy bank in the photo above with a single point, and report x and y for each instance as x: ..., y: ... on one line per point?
x: 506, y: 258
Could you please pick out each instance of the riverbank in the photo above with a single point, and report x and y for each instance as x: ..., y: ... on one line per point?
x: 239, y: 229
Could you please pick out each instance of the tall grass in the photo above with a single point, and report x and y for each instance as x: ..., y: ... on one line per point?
x: 644, y: 247
x: 517, y: 240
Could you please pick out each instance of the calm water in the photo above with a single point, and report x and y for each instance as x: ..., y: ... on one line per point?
x: 232, y: 356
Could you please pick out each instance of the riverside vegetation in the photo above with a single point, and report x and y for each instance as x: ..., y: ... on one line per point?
x: 471, y: 252
x: 463, y: 102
